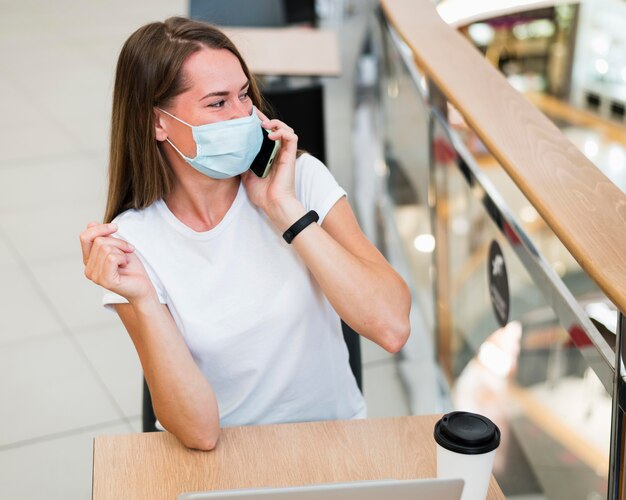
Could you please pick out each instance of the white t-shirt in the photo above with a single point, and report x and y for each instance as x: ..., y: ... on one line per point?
x: 255, y: 320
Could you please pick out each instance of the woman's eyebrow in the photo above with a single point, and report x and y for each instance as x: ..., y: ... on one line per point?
x: 223, y: 93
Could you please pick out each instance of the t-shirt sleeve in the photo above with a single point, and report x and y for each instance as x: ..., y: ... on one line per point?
x: 316, y: 187
x: 111, y: 298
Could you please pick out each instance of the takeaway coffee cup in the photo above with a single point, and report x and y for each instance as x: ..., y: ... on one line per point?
x: 466, y: 447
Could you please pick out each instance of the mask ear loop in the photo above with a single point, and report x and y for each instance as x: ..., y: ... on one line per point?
x: 175, y: 118
x: 178, y: 150
x: 168, y: 139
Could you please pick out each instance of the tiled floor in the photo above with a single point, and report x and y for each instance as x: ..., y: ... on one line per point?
x: 68, y: 370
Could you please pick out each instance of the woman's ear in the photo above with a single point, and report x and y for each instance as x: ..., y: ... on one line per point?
x: 159, y: 130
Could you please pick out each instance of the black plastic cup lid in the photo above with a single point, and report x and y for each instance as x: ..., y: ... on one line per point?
x: 467, y: 433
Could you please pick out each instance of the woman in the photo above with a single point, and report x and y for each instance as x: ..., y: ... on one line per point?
x: 232, y: 324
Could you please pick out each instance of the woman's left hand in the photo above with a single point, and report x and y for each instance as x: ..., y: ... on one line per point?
x: 275, y: 194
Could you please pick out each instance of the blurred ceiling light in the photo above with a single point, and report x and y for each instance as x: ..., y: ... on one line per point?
x: 559, y: 268
x: 602, y: 66
x: 541, y: 28
x: 529, y: 214
x: 380, y: 167
x: 481, y: 33
x: 590, y: 148
x: 424, y: 84
x: 601, y: 45
x: 424, y: 243
x: 460, y: 225
x: 616, y: 157
x: 520, y: 31
x: 518, y: 82
x: 392, y: 89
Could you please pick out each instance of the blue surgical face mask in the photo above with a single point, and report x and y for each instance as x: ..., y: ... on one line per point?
x: 224, y: 149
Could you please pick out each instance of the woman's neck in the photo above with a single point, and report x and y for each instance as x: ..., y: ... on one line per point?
x: 201, y: 202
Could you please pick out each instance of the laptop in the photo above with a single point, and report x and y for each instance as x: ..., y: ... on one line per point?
x: 413, y: 489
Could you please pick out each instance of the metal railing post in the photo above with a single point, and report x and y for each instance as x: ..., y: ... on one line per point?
x: 616, y: 459
x: 437, y: 200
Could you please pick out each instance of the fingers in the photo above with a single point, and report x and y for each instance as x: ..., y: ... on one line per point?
x: 274, y: 125
x: 103, y: 241
x: 103, y: 266
x: 287, y: 138
x: 280, y: 131
x: 101, y: 248
x: 93, y: 231
x: 100, y: 234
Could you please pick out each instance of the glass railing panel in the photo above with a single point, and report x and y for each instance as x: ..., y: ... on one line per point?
x: 404, y: 120
x: 403, y: 94
x: 546, y: 373
x: 522, y: 368
x: 581, y: 286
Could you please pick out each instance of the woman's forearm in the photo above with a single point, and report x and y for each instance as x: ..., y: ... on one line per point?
x: 369, y: 297
x: 182, y: 398
x: 361, y: 286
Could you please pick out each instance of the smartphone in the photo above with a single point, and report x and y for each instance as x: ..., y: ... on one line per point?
x: 263, y: 161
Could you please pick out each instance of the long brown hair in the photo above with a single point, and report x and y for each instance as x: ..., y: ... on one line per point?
x: 149, y: 73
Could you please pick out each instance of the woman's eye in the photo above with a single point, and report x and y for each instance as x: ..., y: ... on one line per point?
x: 243, y: 96
x: 217, y: 104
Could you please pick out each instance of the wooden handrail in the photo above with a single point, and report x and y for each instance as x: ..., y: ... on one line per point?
x: 581, y: 205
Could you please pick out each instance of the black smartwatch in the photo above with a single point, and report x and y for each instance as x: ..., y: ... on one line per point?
x: 309, y: 218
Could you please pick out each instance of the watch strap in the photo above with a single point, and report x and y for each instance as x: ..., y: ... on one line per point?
x: 309, y: 218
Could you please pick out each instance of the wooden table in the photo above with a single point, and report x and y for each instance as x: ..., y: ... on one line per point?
x: 156, y: 466
x: 288, y: 51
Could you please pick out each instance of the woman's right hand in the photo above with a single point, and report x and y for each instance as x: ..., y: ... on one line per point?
x: 111, y: 263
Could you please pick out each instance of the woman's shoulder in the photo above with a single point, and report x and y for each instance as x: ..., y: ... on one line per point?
x: 312, y: 172
x: 307, y: 160
x: 308, y: 167
x: 138, y: 220
x: 315, y: 185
